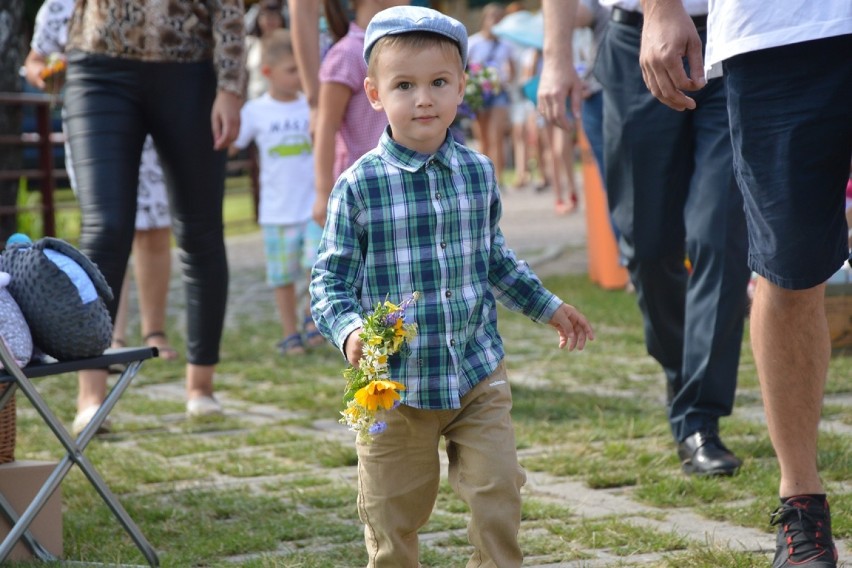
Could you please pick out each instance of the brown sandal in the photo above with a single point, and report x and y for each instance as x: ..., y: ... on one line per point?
x: 160, y: 340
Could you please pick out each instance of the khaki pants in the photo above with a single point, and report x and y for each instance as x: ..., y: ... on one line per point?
x: 399, y: 474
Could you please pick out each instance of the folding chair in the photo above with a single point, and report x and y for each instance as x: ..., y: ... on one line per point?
x: 18, y: 377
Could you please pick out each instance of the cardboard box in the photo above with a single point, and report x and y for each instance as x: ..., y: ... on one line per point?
x: 19, y: 483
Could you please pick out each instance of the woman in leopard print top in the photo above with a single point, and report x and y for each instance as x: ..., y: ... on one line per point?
x: 173, y: 69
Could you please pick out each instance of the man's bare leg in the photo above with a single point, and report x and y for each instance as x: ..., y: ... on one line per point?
x: 792, y: 348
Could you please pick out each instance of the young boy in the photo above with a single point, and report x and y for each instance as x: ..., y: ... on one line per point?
x: 420, y: 213
x: 277, y: 122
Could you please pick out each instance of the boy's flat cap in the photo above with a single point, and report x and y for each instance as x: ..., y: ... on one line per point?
x: 407, y: 19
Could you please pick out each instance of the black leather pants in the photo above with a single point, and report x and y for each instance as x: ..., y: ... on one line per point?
x: 111, y: 104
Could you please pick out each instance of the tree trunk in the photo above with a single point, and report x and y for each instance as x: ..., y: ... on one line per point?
x: 12, y: 48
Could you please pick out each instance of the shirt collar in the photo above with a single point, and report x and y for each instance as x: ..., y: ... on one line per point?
x: 410, y: 160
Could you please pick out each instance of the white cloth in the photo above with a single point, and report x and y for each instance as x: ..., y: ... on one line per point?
x: 282, y: 135
x: 741, y: 26
x: 693, y: 7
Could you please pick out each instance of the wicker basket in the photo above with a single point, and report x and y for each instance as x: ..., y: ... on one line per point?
x: 8, y: 429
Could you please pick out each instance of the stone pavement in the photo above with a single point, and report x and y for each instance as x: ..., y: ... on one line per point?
x: 552, y: 244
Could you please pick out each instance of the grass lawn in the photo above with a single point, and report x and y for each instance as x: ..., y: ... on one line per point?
x: 273, y: 483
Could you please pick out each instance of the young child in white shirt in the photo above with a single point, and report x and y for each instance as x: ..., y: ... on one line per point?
x: 278, y: 123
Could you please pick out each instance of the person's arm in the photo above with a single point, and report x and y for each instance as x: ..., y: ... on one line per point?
x: 585, y: 16
x: 669, y: 35
x: 559, y: 80
x: 225, y: 118
x: 304, y: 27
x: 333, y: 99
x: 337, y: 275
x: 34, y: 66
x: 229, y: 58
x: 50, y: 34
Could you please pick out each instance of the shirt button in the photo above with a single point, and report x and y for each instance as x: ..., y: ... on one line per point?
x: 452, y: 342
x: 443, y: 245
x: 448, y: 293
x: 437, y: 196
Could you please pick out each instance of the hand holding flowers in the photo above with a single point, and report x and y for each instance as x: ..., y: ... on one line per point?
x: 53, y: 73
x: 369, y: 387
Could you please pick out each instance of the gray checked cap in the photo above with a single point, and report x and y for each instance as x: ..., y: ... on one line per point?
x: 407, y: 19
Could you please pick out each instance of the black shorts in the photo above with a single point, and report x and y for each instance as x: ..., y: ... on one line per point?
x: 790, y: 109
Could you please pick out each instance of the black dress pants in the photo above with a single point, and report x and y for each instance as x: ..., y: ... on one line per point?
x: 671, y: 189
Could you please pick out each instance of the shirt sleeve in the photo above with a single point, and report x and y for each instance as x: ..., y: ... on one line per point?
x: 50, y: 33
x: 229, y: 48
x: 336, y: 278
x: 514, y: 283
x: 341, y: 66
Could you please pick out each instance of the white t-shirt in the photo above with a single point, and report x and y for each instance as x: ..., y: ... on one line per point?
x: 741, y: 26
x: 693, y: 7
x: 280, y: 131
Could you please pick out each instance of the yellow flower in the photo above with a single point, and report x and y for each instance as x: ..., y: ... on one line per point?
x: 379, y: 394
x: 351, y: 414
x: 391, y: 307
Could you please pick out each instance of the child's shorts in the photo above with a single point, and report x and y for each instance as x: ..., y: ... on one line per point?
x: 291, y: 251
x: 791, y: 128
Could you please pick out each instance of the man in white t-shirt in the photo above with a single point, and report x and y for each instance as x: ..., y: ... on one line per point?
x: 789, y: 76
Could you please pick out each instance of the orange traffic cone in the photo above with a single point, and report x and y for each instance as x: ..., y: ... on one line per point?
x: 604, y: 267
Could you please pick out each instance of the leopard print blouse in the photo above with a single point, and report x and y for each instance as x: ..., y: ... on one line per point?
x: 165, y: 30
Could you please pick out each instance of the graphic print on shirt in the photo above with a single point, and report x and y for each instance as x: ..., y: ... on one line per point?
x: 293, y: 142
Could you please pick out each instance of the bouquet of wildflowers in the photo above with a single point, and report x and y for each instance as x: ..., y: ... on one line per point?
x: 53, y: 73
x: 368, y: 386
x: 483, y: 84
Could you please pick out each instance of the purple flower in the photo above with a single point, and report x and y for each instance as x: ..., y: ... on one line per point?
x: 378, y: 428
x: 391, y: 318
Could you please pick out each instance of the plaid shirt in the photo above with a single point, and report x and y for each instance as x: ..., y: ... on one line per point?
x: 400, y: 221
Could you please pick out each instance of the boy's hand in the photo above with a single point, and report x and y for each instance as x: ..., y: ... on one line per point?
x: 573, y: 327
x: 353, y: 347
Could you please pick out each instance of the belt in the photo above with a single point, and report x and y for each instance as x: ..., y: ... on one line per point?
x: 635, y: 19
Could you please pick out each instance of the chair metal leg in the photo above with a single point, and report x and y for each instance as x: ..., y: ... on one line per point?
x: 74, y: 455
x: 34, y: 545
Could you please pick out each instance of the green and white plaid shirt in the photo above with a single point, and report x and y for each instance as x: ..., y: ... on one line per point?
x: 399, y: 222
